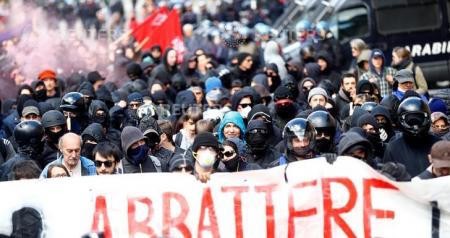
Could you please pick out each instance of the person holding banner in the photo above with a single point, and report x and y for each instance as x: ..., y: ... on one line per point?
x: 205, y: 151
x: 299, y: 138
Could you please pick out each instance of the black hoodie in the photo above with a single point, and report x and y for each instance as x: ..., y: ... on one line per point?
x: 388, y: 128
x: 112, y: 134
x: 351, y: 140
x: 163, y: 72
x: 237, y: 97
x: 274, y: 131
x: 329, y: 72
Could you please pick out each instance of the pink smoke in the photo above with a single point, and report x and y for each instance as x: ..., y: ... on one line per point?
x: 45, y: 47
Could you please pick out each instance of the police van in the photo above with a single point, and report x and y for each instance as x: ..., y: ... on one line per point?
x: 420, y: 25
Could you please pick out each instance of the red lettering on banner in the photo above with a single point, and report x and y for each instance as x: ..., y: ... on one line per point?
x: 208, y: 204
x: 175, y: 221
x: 100, y: 210
x: 298, y: 213
x: 238, y: 190
x: 270, y: 210
x: 334, y: 213
x: 139, y: 226
x: 368, y: 209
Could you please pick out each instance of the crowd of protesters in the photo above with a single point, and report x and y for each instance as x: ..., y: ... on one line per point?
x: 233, y: 104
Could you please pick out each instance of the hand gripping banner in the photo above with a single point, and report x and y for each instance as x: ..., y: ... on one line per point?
x: 303, y: 199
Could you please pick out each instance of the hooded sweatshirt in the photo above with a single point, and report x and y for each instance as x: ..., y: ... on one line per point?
x: 379, y: 77
x: 272, y: 55
x: 350, y: 141
x: 231, y: 117
x: 129, y: 136
x: 163, y: 72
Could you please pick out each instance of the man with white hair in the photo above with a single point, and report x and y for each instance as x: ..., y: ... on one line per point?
x: 70, y: 156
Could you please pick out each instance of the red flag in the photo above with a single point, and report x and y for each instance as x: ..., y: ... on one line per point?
x: 161, y: 28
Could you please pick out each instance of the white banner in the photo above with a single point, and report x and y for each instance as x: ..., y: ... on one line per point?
x: 305, y: 199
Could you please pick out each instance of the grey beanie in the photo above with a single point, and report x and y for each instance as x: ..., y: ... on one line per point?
x: 317, y: 91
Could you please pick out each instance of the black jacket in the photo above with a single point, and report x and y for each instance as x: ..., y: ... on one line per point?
x: 150, y: 165
x: 264, y: 160
x: 412, y: 153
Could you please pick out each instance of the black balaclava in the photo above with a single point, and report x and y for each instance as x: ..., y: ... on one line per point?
x: 284, y: 103
x: 276, y: 80
x: 386, y: 129
x: 373, y: 137
x: 256, y: 136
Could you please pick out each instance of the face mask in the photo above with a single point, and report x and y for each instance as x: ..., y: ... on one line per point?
x: 138, y: 154
x: 231, y: 164
x: 34, y: 151
x: 206, y: 159
x: 304, y: 152
x: 53, y: 137
x: 86, y: 150
x: 323, y: 145
x: 244, y: 112
x: 375, y: 140
x: 285, y: 109
x: 41, y: 95
x: 257, y: 142
x: 99, y: 119
x: 441, y: 133
x: 76, y: 127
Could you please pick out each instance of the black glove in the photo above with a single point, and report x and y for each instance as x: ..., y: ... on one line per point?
x: 397, y: 171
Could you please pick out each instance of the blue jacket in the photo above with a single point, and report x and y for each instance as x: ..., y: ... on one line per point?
x: 399, y: 94
x: 87, y: 167
x: 10, y: 122
x: 231, y: 117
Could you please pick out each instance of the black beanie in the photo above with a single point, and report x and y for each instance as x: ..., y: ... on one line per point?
x: 134, y: 70
x: 367, y: 118
x: 282, y: 92
x: 205, y: 139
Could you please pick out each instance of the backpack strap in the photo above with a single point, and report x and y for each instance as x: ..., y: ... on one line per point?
x: 156, y: 163
x: 3, y: 151
x: 178, y: 139
x: 414, y: 75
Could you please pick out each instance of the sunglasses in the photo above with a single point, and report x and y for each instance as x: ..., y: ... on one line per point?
x: 244, y: 105
x: 134, y: 105
x: 229, y: 153
x: 107, y: 164
x: 187, y: 169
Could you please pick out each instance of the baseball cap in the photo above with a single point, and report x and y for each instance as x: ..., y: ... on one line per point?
x: 440, y: 154
x: 404, y: 75
x: 30, y: 110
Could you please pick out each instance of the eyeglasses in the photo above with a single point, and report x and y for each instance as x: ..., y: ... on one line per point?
x: 229, y: 153
x: 108, y: 164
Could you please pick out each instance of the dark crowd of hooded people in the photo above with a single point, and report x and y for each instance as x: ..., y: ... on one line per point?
x: 229, y: 106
